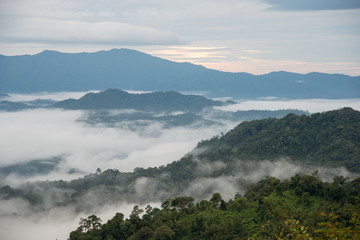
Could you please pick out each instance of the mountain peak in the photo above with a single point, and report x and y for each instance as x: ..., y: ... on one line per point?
x: 49, y: 52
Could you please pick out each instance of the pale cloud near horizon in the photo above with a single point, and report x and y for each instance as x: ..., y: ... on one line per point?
x: 311, y: 105
x: 256, y: 36
x: 299, y: 5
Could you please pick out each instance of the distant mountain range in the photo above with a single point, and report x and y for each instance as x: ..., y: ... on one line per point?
x: 132, y: 70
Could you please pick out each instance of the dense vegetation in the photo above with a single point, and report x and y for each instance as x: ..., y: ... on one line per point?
x: 329, y: 138
x: 303, y: 207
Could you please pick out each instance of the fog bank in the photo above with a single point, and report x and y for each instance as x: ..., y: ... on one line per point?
x: 311, y: 105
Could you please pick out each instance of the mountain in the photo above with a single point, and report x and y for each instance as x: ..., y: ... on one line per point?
x: 3, y: 95
x: 229, y: 162
x: 13, y: 106
x: 132, y: 70
x: 155, y: 101
x: 32, y: 168
x: 18, y: 106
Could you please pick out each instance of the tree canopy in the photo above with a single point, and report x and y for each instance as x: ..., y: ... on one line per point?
x: 303, y: 207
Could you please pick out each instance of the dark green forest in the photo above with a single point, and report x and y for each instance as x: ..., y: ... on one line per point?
x: 303, y: 207
x: 327, y: 139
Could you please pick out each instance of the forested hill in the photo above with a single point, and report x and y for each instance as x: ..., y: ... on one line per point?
x: 222, y: 164
x: 154, y: 101
x: 329, y: 138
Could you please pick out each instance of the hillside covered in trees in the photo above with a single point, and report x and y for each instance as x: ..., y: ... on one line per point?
x: 223, y: 164
x: 303, y: 207
x: 327, y: 139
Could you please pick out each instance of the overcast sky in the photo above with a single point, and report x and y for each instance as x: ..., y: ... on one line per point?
x: 256, y: 36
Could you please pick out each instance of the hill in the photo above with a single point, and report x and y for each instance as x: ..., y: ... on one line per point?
x: 330, y: 138
x: 155, y: 101
x: 13, y: 106
x: 227, y: 163
x: 132, y: 70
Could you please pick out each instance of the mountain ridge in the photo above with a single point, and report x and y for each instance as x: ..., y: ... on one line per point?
x: 133, y: 70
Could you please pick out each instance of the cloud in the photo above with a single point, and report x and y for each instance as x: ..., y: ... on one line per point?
x: 313, y: 5
x: 219, y: 36
x: 55, y: 224
x: 57, y: 96
x: 47, y: 133
x: 72, y: 31
x: 245, y: 173
x: 311, y: 105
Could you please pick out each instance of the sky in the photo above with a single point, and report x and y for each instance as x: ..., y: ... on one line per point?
x: 255, y: 36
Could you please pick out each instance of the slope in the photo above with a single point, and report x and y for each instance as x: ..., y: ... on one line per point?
x: 330, y: 138
x: 222, y: 163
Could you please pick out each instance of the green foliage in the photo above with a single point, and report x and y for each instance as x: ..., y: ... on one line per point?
x: 330, y: 139
x: 333, y: 229
x: 303, y: 208
x: 163, y: 233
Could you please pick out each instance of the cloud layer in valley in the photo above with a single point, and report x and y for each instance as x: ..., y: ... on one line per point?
x: 311, y: 105
x: 47, y: 133
x: 59, y: 221
x: 43, y: 134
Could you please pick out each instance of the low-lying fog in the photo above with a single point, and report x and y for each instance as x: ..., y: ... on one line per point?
x: 48, y: 133
x: 310, y: 105
x: 44, y: 134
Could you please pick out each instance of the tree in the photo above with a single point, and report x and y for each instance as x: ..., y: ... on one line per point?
x: 182, y: 202
x: 143, y: 234
x: 90, y: 223
x: 164, y: 233
x: 216, y: 199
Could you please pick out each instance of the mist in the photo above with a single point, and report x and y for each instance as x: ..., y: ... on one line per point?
x: 55, y: 224
x: 310, y: 105
x: 245, y: 173
x: 43, y: 134
x: 58, y: 222
x: 48, y: 133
